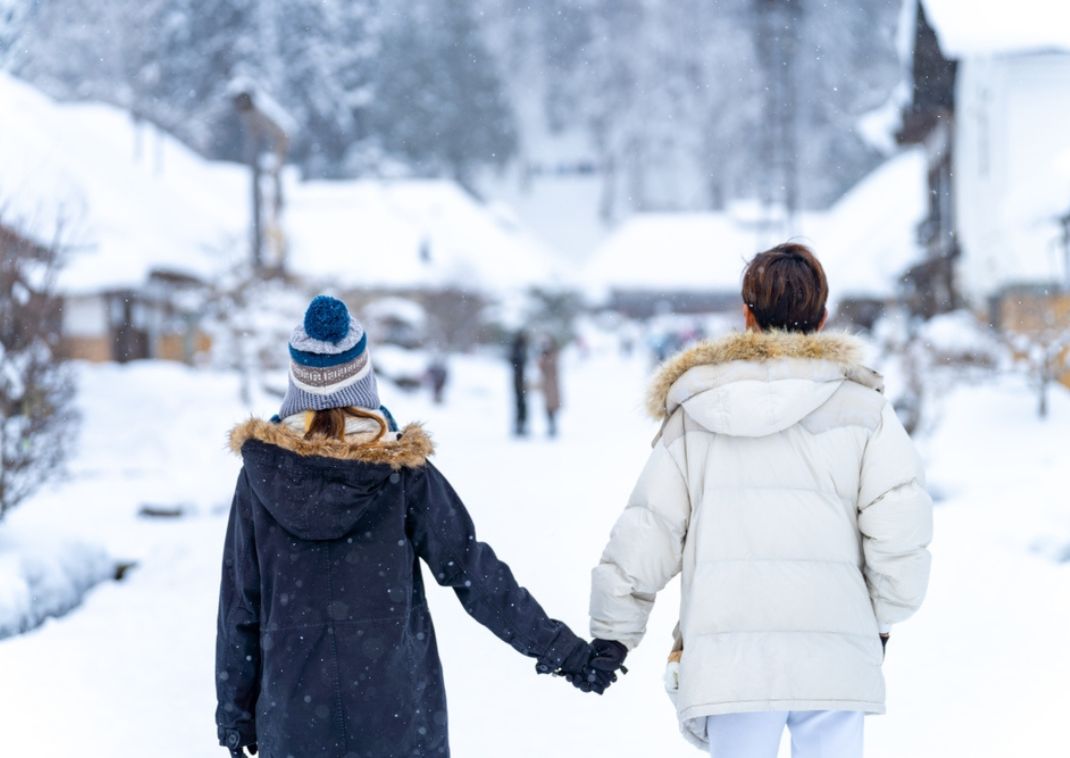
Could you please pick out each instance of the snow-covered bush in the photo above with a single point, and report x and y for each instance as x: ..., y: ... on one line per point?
x: 923, y: 359
x: 35, y: 387
x: 395, y: 321
x: 44, y: 577
x: 250, y: 320
x: 960, y: 338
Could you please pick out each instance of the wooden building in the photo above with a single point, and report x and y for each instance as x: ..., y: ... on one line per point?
x: 929, y: 122
x: 159, y: 319
x: 990, y: 100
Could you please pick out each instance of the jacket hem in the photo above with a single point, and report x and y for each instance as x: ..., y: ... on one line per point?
x: 693, y: 718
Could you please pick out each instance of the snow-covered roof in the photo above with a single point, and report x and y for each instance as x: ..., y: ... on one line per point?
x: 129, y: 210
x: 989, y: 27
x: 659, y: 252
x: 408, y: 234
x: 123, y: 216
x: 865, y: 241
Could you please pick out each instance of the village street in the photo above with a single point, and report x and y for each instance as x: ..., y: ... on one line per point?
x: 980, y: 671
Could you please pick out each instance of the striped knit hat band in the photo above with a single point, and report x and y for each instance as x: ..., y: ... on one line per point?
x: 329, y: 362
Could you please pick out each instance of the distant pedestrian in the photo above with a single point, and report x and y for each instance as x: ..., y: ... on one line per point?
x: 549, y: 359
x: 438, y: 375
x: 518, y: 359
x: 324, y: 644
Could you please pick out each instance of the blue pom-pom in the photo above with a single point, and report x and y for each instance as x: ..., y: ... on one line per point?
x: 327, y: 319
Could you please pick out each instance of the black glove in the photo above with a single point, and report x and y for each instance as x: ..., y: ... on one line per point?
x: 572, y: 662
x: 237, y: 752
x: 608, y: 655
x: 884, y: 642
x: 606, y: 658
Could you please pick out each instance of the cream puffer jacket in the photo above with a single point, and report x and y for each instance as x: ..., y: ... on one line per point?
x: 787, y: 493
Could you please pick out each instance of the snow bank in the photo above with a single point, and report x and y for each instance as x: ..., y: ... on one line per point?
x: 42, y: 576
x: 130, y: 199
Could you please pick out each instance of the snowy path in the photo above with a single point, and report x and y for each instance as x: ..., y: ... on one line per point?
x: 982, y: 671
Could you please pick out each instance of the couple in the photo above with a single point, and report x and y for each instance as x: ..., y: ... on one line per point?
x: 781, y: 486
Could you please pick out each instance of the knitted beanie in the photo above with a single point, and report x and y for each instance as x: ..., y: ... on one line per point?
x: 329, y: 362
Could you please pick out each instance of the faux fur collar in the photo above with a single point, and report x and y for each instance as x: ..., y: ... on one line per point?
x: 838, y: 348
x: 411, y: 449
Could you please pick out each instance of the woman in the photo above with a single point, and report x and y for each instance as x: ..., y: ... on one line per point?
x: 550, y: 380
x: 787, y: 493
x: 325, y: 646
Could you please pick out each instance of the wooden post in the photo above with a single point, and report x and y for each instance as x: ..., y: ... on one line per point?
x: 260, y: 129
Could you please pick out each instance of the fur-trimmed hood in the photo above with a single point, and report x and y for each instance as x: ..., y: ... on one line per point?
x: 758, y: 380
x: 411, y: 448
x: 311, y: 487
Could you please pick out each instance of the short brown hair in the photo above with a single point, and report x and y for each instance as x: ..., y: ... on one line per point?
x: 785, y: 288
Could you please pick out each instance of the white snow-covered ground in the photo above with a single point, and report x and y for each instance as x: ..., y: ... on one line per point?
x: 981, y: 671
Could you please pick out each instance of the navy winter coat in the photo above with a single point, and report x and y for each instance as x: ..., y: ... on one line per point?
x: 325, y: 647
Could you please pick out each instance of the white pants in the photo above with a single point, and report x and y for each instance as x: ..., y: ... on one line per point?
x: 814, y: 734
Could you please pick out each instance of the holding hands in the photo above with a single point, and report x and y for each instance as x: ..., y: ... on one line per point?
x: 597, y: 669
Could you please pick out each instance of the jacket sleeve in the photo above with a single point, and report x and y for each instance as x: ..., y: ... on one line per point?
x: 444, y: 536
x: 645, y: 551
x: 238, y: 628
x: 895, y: 518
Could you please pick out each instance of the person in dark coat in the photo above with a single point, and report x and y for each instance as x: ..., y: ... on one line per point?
x: 325, y: 646
x: 518, y: 358
x: 438, y: 374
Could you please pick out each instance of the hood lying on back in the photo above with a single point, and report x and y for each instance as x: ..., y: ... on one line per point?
x: 751, y: 384
x: 314, y: 488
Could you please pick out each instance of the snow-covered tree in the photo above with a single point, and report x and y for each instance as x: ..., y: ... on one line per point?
x: 36, y: 420
x: 203, y: 45
x: 675, y: 97
x: 440, y: 99
x: 13, y: 19
x: 321, y: 69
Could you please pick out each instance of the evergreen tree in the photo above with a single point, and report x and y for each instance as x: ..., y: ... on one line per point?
x: 441, y: 104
